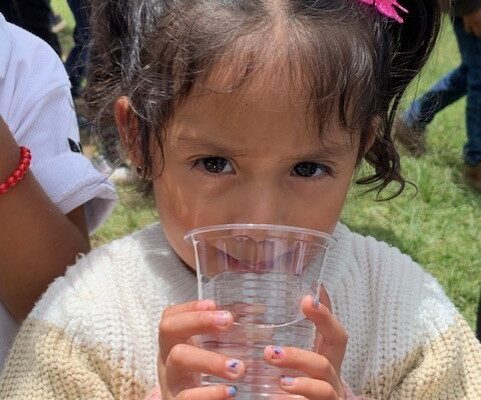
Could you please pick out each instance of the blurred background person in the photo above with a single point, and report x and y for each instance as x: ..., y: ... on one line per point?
x: 463, y: 81
x: 46, y: 218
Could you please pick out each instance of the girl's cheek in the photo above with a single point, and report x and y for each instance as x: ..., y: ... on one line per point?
x: 180, y: 209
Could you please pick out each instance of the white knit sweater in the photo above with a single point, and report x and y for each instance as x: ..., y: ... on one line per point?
x: 93, y: 335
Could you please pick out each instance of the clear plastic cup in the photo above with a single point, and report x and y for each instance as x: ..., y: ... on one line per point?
x: 260, y: 273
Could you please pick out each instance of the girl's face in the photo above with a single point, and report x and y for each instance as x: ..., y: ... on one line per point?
x: 250, y: 157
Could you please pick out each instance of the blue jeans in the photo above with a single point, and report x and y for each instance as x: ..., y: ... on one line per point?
x: 463, y: 81
x: 77, y: 59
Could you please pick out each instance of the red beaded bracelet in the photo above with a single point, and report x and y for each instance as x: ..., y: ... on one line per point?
x: 19, y: 173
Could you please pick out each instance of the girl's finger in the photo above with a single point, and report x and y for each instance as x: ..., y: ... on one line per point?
x: 216, y: 392
x: 184, y: 357
x: 178, y: 328
x: 331, y: 337
x: 333, y: 332
x: 200, y: 305
x: 312, y: 389
x: 325, y: 299
x: 312, y: 364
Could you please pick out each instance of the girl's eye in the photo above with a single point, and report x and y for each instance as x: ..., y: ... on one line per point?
x: 311, y: 170
x: 215, y: 165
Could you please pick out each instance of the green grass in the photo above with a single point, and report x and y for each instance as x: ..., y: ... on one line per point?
x: 61, y: 7
x: 439, y: 227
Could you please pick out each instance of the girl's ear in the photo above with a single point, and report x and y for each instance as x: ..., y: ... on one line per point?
x: 128, y: 127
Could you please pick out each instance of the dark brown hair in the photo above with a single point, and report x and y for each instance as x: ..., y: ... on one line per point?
x: 349, y: 56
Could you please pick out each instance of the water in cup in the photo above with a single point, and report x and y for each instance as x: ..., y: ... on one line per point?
x: 260, y: 273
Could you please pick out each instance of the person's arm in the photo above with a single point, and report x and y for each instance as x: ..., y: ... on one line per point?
x: 37, y: 242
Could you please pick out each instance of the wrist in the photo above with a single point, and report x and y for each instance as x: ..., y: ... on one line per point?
x: 20, y: 171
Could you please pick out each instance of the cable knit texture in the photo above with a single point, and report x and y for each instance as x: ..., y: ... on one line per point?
x: 94, y: 334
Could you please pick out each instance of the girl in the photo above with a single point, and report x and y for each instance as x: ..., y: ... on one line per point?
x: 249, y: 111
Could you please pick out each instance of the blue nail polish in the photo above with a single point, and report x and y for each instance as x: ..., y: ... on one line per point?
x: 233, y: 366
x: 232, y: 391
x: 316, y: 304
x: 276, y: 352
x: 287, y: 381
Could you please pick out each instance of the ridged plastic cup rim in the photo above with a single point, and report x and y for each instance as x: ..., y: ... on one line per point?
x: 189, y: 236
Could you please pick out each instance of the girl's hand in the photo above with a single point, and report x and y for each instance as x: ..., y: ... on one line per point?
x: 323, y: 366
x: 181, y: 362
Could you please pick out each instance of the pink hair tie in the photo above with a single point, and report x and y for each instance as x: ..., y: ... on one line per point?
x: 387, y: 8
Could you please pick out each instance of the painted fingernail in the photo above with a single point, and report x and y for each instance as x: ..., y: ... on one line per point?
x: 205, y: 305
x: 233, y: 366
x: 231, y: 391
x: 316, y: 304
x: 287, y: 381
x: 277, y: 352
x: 221, y: 318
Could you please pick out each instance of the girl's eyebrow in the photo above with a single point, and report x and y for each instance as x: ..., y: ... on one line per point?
x: 331, y: 150
x: 194, y: 143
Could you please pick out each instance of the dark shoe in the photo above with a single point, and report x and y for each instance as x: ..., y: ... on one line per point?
x: 472, y: 176
x: 412, y: 139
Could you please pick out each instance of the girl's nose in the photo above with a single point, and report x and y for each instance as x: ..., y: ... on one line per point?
x: 263, y: 206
